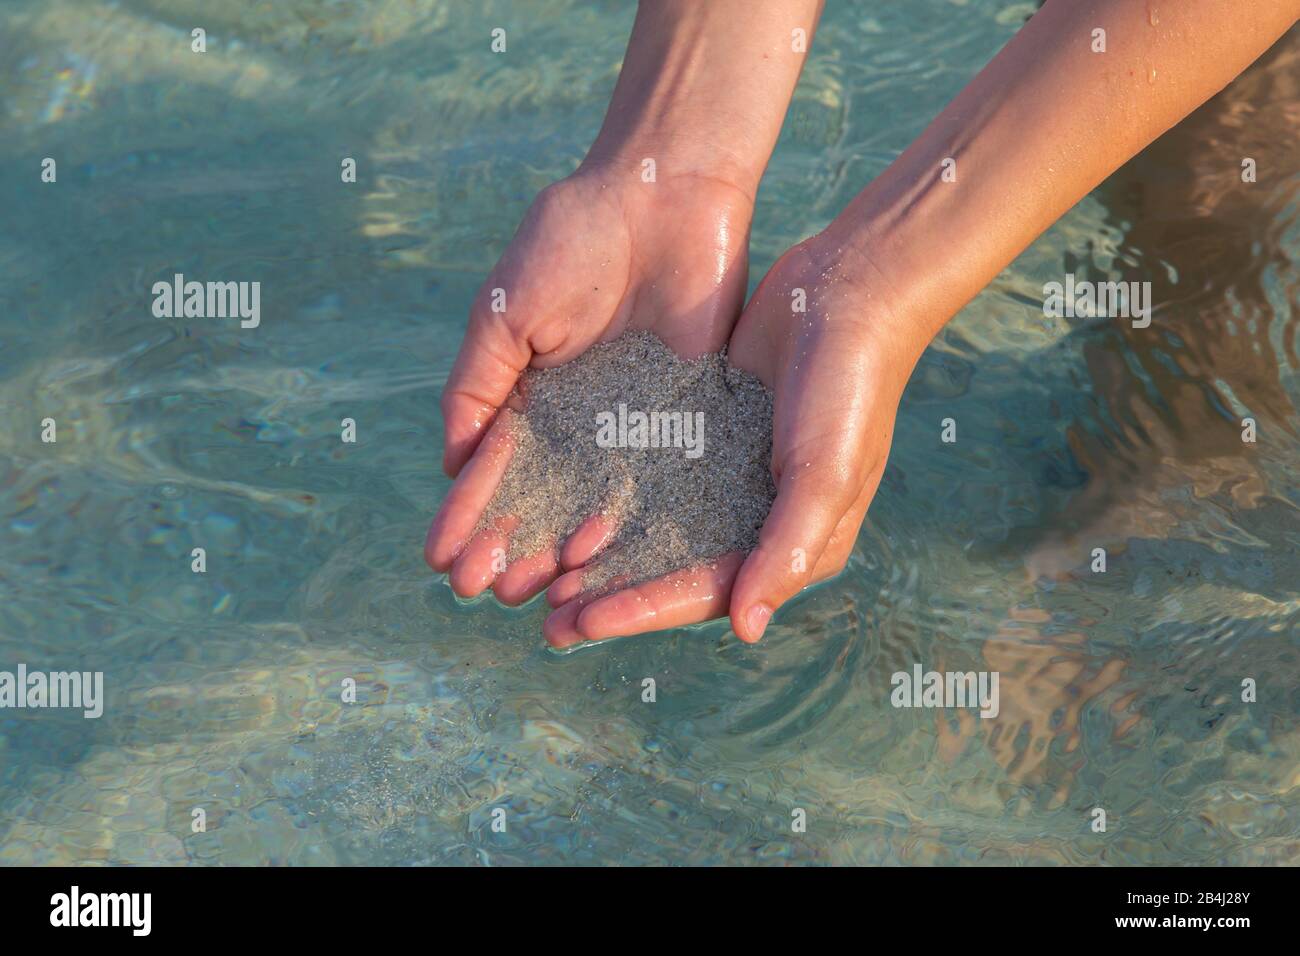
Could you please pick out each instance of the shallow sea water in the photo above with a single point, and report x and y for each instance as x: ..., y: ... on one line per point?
x: 1118, y: 690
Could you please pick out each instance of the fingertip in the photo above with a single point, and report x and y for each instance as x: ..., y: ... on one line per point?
x: 438, y: 554
x: 586, y: 541
x: 476, y: 568
x: 560, y: 628
x: 613, y: 615
x: 565, y: 588
x: 750, y: 623
x: 523, y: 580
x: 441, y: 547
x: 765, y: 581
x: 467, y: 582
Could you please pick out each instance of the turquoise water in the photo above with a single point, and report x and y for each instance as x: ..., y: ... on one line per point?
x: 1118, y: 690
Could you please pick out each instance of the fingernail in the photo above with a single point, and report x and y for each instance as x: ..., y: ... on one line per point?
x: 756, y: 620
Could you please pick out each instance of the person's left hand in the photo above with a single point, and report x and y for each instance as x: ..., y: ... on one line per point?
x: 838, y: 370
x: 598, y: 253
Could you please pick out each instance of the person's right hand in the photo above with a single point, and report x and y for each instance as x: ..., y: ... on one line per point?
x: 598, y: 253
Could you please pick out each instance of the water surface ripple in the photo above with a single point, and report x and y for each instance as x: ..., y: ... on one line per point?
x: 1119, y: 690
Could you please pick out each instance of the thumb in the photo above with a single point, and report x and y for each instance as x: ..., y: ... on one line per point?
x: 808, y: 507
x: 489, y: 363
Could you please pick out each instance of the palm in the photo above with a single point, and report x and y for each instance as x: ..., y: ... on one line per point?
x: 835, y: 401
x: 590, y: 261
x: 836, y: 394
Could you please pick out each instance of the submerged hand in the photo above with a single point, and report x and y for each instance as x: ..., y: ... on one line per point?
x: 838, y: 369
x: 597, y: 254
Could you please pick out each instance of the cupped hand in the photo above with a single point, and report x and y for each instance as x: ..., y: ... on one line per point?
x: 597, y: 254
x: 820, y: 333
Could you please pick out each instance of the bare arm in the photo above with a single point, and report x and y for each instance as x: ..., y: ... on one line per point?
x: 1043, y: 124
x: 705, y: 86
x: 702, y: 93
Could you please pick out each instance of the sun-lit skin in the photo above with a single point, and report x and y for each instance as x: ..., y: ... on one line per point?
x: 1044, y: 123
x: 566, y: 300
x: 605, y: 250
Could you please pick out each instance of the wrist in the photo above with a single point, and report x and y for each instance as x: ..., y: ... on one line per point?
x: 907, y: 241
x: 664, y: 152
x: 698, y: 97
x: 821, y: 290
x: 878, y: 287
x: 703, y: 192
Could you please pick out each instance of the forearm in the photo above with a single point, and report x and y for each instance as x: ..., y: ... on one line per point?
x: 1043, y: 124
x: 704, y: 87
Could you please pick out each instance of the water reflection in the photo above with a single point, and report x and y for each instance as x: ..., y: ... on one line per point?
x: 1119, y: 690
